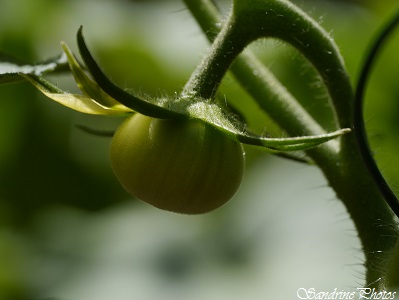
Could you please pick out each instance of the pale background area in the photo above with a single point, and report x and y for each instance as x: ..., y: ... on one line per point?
x: 268, y: 242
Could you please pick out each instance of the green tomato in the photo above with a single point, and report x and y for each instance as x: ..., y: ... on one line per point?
x: 183, y: 166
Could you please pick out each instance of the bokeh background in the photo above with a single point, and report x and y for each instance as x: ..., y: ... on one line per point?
x: 68, y: 230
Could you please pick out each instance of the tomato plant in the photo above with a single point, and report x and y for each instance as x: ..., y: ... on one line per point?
x: 184, y: 153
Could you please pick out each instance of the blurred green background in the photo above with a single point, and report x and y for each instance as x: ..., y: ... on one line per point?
x: 69, y: 231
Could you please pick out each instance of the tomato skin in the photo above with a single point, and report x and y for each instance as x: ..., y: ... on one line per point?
x: 183, y: 166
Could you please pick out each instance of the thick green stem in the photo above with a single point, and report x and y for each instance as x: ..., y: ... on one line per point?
x: 207, y: 77
x: 342, y: 166
x: 373, y: 219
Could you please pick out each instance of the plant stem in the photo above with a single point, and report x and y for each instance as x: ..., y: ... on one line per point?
x: 373, y: 219
x: 342, y: 166
x: 207, y: 77
x: 259, y: 82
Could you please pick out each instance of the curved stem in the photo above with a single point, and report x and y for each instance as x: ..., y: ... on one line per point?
x: 359, y: 124
x: 251, y: 20
x: 259, y: 82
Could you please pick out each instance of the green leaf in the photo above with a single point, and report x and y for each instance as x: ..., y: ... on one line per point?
x: 80, y: 103
x: 11, y: 68
x: 215, y: 116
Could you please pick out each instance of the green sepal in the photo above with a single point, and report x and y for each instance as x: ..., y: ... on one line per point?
x: 96, y: 132
x: 135, y: 103
x: 215, y: 116
x: 80, y: 103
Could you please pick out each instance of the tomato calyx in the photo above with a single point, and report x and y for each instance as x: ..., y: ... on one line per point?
x: 102, y: 97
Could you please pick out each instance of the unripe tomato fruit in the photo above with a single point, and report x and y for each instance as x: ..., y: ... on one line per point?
x: 183, y: 166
